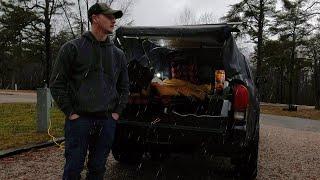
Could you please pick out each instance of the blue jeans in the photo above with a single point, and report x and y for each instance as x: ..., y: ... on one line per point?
x: 83, y: 134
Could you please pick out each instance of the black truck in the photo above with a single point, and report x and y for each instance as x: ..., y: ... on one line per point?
x: 191, y: 90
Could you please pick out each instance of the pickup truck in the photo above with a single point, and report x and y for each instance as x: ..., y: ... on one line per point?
x: 191, y: 90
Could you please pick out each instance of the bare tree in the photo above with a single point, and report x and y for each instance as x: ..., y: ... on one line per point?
x: 189, y: 17
x: 207, y: 18
x: 87, y: 7
x: 80, y: 18
x: 125, y: 6
x: 46, y: 10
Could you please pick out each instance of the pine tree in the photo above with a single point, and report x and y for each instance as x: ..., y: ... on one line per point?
x: 14, y: 20
x: 293, y: 24
x: 254, y: 15
x: 45, y: 10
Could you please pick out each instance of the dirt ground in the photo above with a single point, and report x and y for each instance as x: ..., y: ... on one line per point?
x: 283, y: 154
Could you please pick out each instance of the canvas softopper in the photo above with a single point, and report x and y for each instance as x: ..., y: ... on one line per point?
x: 185, y: 55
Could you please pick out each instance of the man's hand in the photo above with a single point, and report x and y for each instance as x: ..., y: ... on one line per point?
x: 115, y: 116
x: 73, y: 117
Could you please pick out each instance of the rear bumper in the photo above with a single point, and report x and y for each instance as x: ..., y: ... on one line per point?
x: 181, y: 138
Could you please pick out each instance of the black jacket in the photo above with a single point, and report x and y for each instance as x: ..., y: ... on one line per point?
x: 90, y: 77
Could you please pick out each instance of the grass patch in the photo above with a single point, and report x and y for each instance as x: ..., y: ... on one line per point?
x: 301, y: 113
x: 18, y: 122
x: 18, y: 125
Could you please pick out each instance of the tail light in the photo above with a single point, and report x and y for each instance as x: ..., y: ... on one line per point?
x: 240, y: 101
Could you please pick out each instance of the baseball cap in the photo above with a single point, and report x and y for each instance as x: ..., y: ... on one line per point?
x: 103, y: 8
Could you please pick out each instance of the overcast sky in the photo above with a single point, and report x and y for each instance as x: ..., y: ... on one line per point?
x: 166, y: 12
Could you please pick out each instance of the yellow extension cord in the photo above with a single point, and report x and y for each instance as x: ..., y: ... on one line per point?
x: 54, y: 139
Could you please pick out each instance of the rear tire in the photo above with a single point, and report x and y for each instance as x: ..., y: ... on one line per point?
x: 247, y: 165
x: 126, y: 151
x: 127, y: 157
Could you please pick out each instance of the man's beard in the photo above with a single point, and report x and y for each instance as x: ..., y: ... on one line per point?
x: 106, y: 31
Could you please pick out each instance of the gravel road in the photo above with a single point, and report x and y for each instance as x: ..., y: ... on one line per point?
x: 284, y: 153
x: 17, y: 97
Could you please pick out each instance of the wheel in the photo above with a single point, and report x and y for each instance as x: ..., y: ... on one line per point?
x: 127, y: 157
x: 126, y: 151
x: 247, y: 165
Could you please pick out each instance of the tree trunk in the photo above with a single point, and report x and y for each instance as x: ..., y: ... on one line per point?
x: 81, y: 20
x: 281, y: 84
x: 296, y: 81
x: 47, y: 41
x: 317, y: 81
x: 278, y: 86
x: 260, y: 39
x: 13, y: 80
x: 291, y: 71
x: 87, y: 3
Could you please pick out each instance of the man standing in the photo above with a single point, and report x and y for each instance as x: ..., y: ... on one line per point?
x: 89, y: 82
